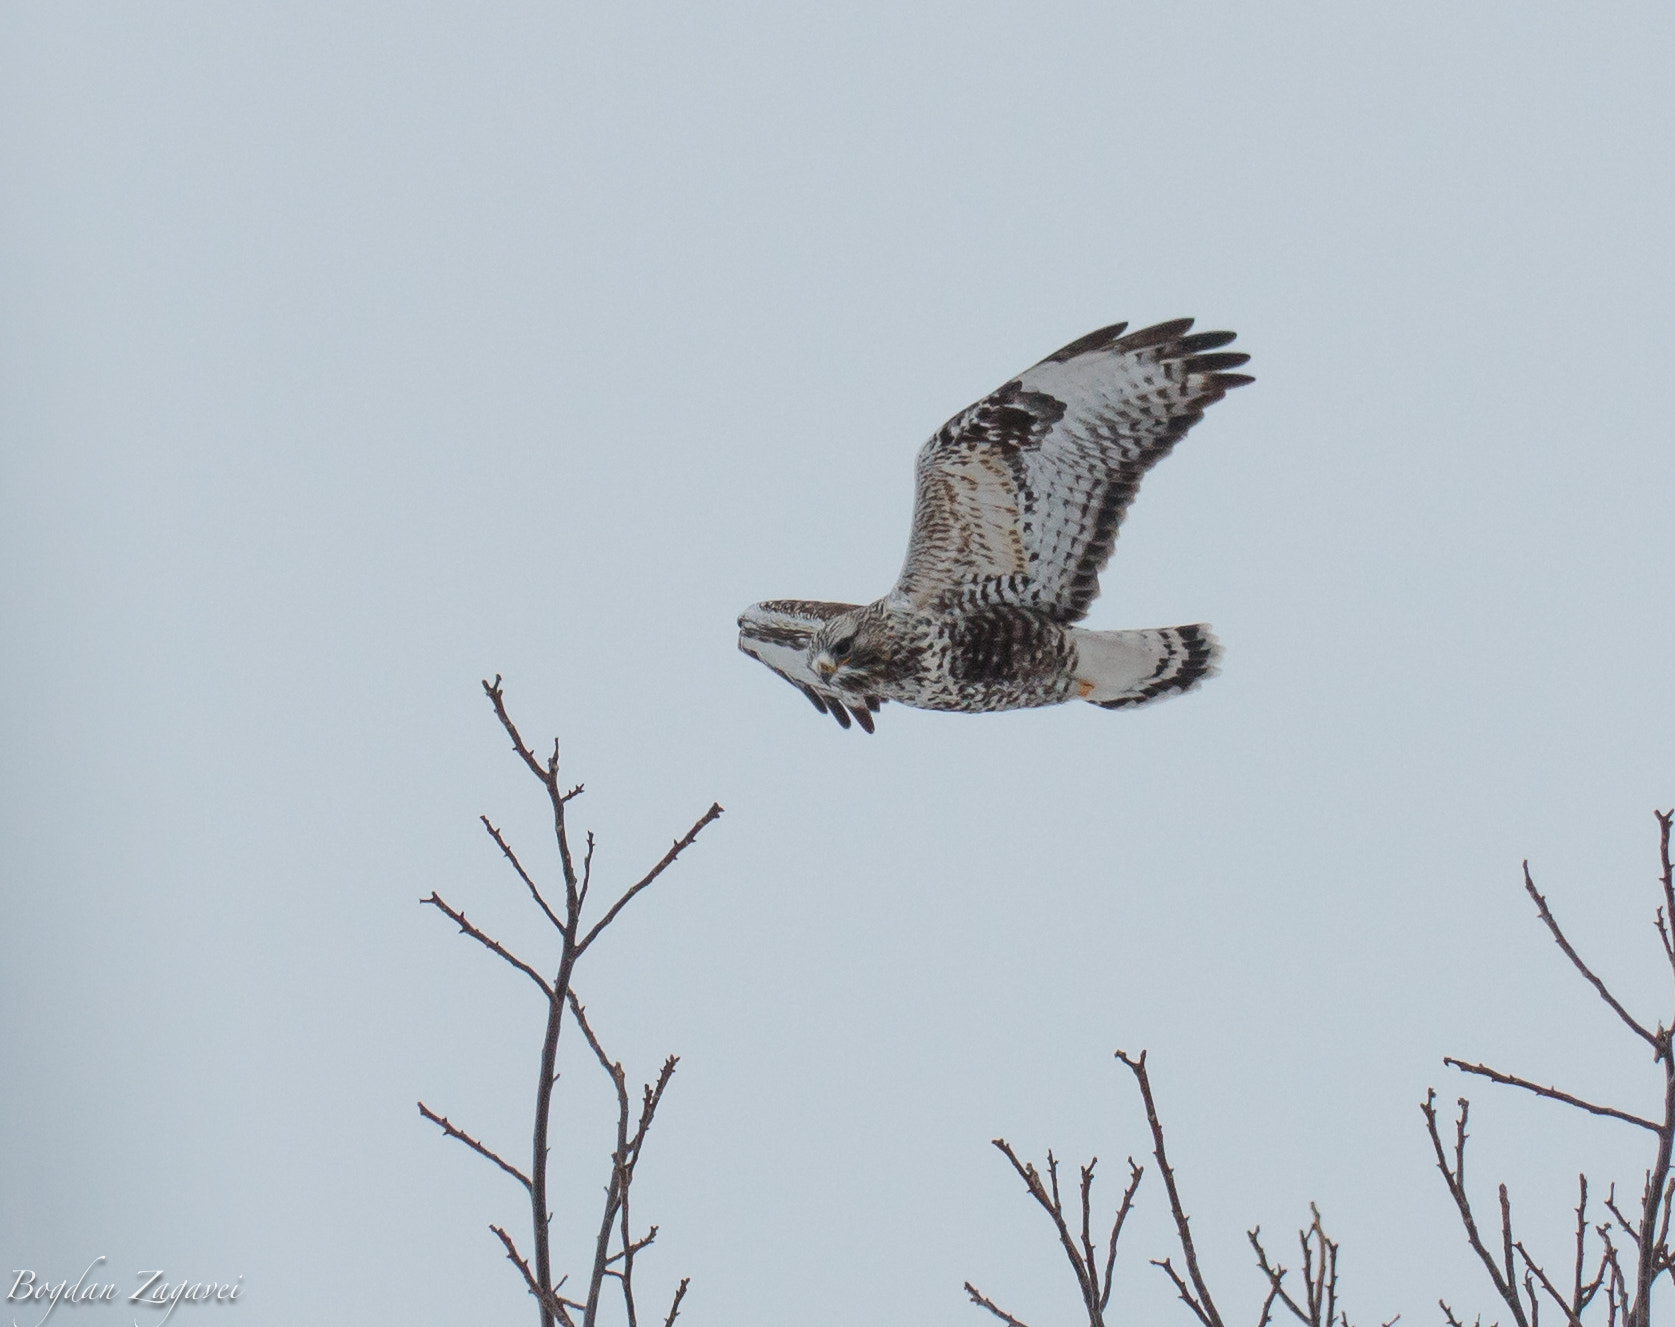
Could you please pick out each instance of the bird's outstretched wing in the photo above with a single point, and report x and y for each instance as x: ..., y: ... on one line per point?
x: 1020, y: 495
x: 777, y: 633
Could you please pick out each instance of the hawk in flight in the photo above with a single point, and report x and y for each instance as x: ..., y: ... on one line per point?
x: 1019, y: 500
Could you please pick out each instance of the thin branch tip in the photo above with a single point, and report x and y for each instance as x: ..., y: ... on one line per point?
x: 454, y: 1131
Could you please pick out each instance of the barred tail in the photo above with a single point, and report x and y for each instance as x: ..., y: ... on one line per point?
x: 1115, y: 669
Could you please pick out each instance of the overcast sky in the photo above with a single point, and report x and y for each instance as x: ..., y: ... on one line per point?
x: 351, y: 353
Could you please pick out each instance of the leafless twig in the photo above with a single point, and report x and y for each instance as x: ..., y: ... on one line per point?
x: 1318, y: 1307
x: 1201, y: 1305
x: 1503, y: 1276
x: 680, y: 845
x: 453, y: 1131
x: 488, y: 942
x: 983, y: 1301
x: 547, y: 1297
x: 1320, y: 1277
x: 1564, y: 944
x: 674, y: 1308
x: 1084, y: 1259
x: 1552, y: 1093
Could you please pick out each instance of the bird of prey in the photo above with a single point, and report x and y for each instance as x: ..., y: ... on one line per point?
x: 1019, y: 500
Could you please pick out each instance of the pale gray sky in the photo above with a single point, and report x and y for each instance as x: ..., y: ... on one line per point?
x: 350, y: 353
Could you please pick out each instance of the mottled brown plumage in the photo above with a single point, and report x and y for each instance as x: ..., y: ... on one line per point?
x: 1018, y: 504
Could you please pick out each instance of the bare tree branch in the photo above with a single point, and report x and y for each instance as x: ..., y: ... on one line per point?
x: 1666, y: 879
x: 1651, y: 1250
x: 629, y: 1250
x: 523, y: 875
x: 1553, y: 1093
x: 616, y: 1188
x: 458, y: 918
x: 674, y: 1309
x: 1276, y: 1280
x: 498, y: 699
x: 1627, y: 1297
x: 649, y: 1098
x: 1576, y: 960
x: 1168, y: 1269
x: 540, y: 1215
x: 579, y: 1011
x: 652, y: 1095
x: 1316, y: 1307
x: 1505, y: 1285
x: 1204, y: 1307
x: 1077, y: 1244
x: 1623, y: 1223
x: 1320, y: 1277
x: 587, y: 874
x: 549, y: 1300
x: 1048, y: 1200
x: 615, y: 1218
x: 1582, y: 1293
x: 453, y: 1131
x: 548, y: 775
x: 680, y: 845
x: 1532, y: 1268
x: 977, y: 1297
x: 1134, y: 1174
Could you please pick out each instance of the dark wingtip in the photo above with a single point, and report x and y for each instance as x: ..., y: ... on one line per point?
x: 1155, y: 335
x: 813, y: 698
x: 836, y: 710
x: 1082, y: 345
x: 1201, y: 341
x: 1225, y: 359
x: 863, y: 716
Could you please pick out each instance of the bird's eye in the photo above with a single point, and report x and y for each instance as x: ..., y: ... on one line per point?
x: 842, y: 648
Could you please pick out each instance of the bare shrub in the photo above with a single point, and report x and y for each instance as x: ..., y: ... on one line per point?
x: 616, y: 1246
x: 1615, y: 1261
x: 1313, y: 1301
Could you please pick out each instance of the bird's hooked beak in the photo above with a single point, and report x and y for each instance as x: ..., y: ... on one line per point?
x: 824, y: 664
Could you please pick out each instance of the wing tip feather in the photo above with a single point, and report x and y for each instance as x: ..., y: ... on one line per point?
x: 1201, y: 341
x: 1157, y: 334
x: 1083, y: 345
x: 1214, y: 363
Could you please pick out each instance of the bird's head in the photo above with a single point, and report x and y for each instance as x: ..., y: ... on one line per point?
x: 849, y: 651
